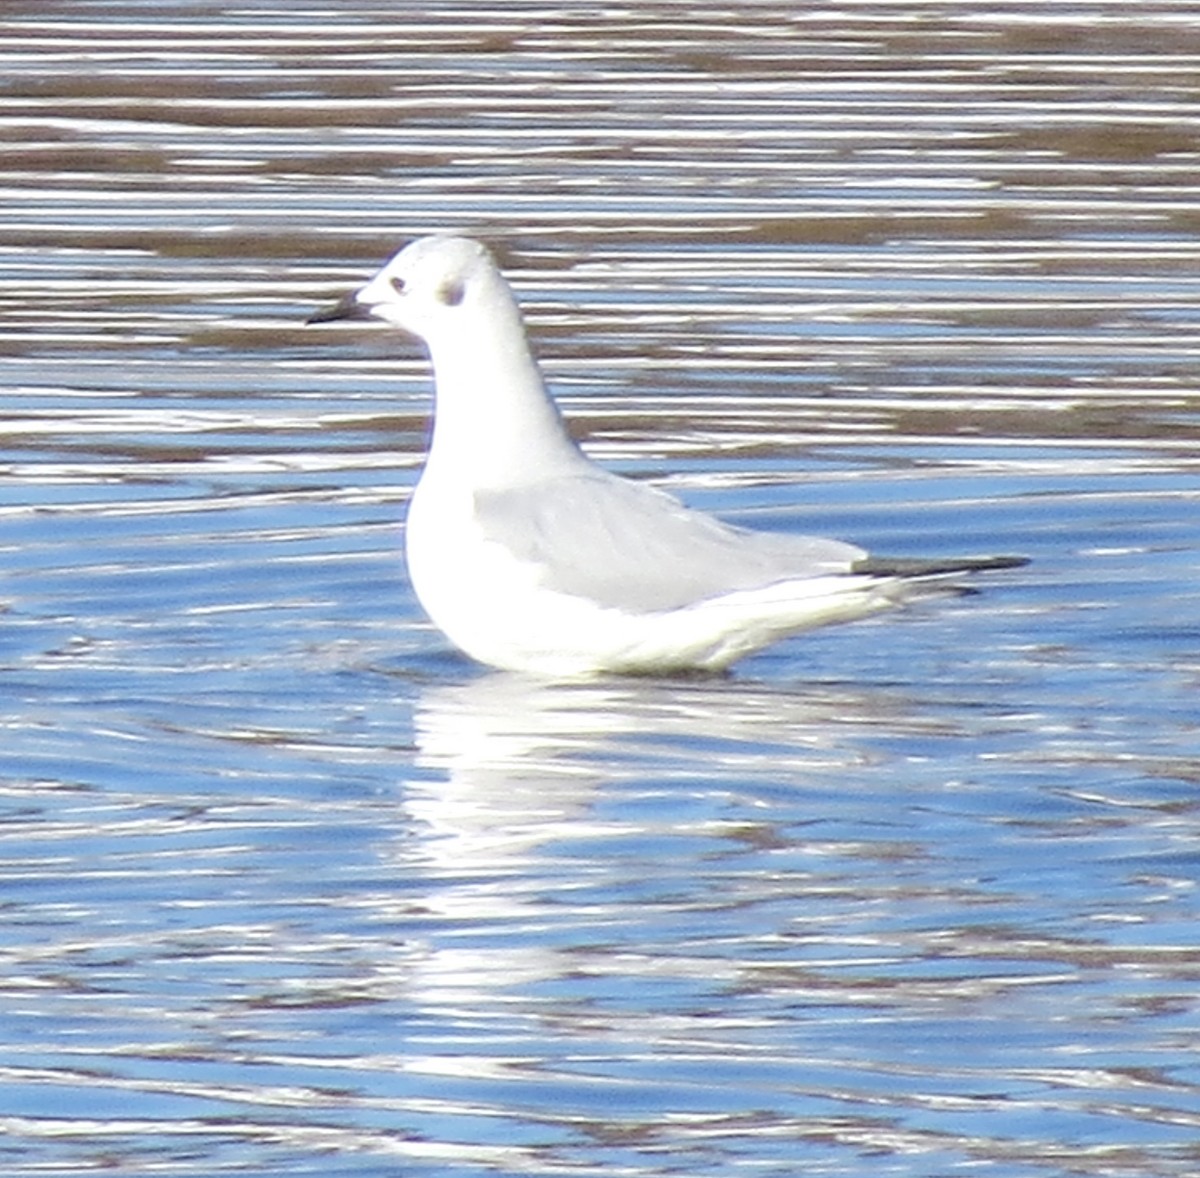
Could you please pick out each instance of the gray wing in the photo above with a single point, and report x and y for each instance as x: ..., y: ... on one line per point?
x: 627, y: 545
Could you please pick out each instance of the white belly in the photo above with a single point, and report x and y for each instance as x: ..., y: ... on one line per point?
x: 494, y: 608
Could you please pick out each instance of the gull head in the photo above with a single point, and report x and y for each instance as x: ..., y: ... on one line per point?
x: 427, y: 289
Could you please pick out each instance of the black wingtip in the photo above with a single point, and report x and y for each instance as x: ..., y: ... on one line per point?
x: 883, y: 566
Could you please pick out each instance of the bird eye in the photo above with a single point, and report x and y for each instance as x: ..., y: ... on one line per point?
x: 397, y: 285
x: 451, y: 293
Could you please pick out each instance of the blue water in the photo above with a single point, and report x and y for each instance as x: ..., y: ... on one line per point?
x: 290, y: 887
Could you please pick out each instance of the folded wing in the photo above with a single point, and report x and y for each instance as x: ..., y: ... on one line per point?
x: 632, y: 547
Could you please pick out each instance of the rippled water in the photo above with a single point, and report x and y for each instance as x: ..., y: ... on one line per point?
x: 290, y: 888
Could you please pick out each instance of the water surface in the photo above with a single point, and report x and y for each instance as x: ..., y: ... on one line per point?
x: 291, y: 888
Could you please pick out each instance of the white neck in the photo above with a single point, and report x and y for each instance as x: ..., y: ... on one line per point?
x: 495, y: 425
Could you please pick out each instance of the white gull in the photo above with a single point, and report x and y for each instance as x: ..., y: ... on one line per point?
x: 530, y: 557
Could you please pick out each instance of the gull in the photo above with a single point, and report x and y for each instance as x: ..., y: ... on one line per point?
x: 530, y: 557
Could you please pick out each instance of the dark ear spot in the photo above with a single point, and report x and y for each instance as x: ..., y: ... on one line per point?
x: 451, y: 292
